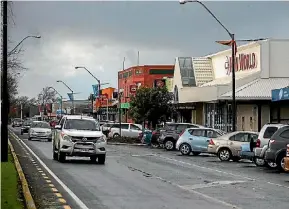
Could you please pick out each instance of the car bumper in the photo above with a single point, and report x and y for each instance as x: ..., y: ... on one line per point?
x: 247, y: 155
x: 257, y: 152
x: 40, y: 136
x: 83, y: 149
x: 270, y: 156
x: 212, y: 149
x: 286, y: 161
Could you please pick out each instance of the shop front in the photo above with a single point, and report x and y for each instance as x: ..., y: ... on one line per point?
x: 260, y: 67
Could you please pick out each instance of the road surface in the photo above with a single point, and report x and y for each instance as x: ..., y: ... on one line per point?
x: 142, y: 178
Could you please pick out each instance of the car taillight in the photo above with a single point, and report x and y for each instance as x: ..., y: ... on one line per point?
x: 211, y: 142
x: 182, y: 133
x: 258, y: 143
x: 154, y: 132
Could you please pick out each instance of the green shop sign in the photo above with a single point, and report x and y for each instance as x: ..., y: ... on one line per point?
x: 124, y: 105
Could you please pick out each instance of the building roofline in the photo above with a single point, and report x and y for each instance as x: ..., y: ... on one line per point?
x: 156, y: 66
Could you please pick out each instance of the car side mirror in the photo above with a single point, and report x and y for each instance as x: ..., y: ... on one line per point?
x: 58, y: 127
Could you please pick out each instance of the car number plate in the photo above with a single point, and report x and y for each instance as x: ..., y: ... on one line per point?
x: 83, y: 150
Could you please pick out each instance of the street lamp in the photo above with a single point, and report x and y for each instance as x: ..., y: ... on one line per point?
x: 14, y: 49
x: 72, y: 101
x: 60, y: 98
x: 233, y: 44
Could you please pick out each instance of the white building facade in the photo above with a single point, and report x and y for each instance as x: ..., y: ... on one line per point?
x: 205, y: 84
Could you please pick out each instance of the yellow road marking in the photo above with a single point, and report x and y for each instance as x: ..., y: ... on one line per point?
x: 66, y: 207
x: 62, y: 200
x: 40, y: 171
x: 45, y: 177
x: 54, y: 189
x: 51, y: 185
x: 48, y: 181
x: 58, y: 194
x: 43, y: 174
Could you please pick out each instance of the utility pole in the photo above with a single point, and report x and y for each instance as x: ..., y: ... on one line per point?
x: 5, y: 93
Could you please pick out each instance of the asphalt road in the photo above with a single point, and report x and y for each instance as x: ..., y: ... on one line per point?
x: 142, y: 178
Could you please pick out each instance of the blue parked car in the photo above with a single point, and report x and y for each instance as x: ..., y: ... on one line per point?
x: 196, y: 140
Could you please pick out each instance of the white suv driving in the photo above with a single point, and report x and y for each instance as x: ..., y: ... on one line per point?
x: 78, y: 135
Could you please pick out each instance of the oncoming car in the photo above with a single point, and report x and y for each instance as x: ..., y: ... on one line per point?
x: 39, y: 130
x: 78, y: 135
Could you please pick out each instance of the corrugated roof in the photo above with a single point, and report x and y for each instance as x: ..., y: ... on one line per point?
x: 228, y: 79
x: 260, y: 88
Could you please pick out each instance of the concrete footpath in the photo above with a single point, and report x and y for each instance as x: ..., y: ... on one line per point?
x: 39, y: 189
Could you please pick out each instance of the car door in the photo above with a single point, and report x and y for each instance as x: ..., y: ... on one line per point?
x: 237, y: 140
x: 134, y: 131
x: 197, y: 139
x: 125, y: 130
x: 209, y: 134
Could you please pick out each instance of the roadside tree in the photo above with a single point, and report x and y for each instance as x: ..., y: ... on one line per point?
x: 152, y: 105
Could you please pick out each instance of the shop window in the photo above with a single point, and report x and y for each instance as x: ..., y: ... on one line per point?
x: 137, y: 72
x: 187, y: 71
x: 130, y: 73
x: 161, y: 71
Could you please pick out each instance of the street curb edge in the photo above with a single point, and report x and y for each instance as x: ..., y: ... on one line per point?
x: 120, y: 143
x: 30, y: 204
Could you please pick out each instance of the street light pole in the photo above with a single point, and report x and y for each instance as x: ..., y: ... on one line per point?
x: 233, y: 44
x: 5, y: 93
x: 72, y: 101
x: 14, y: 49
x: 61, y: 98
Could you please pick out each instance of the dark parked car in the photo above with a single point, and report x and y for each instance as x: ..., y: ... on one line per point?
x: 171, y: 132
x: 26, y: 126
x: 276, y: 151
x: 17, y: 122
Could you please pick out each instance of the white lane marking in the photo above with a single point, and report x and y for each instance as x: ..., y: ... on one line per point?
x: 144, y: 155
x: 199, y: 194
x: 278, y: 185
x: 211, y: 184
x: 76, y: 199
x: 205, y: 168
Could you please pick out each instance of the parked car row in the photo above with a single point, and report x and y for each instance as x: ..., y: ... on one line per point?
x: 266, y: 148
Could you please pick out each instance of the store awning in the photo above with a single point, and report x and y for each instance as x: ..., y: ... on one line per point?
x: 259, y: 89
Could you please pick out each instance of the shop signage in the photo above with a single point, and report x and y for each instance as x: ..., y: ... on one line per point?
x: 243, y: 62
x: 159, y: 83
x: 132, y: 89
x: 280, y: 94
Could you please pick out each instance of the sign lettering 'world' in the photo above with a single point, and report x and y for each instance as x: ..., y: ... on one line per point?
x: 243, y: 62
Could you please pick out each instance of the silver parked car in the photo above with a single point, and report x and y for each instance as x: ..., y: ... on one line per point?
x: 40, y: 130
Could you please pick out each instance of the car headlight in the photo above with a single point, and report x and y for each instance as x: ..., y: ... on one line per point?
x: 32, y: 131
x: 67, y: 138
x: 101, y: 139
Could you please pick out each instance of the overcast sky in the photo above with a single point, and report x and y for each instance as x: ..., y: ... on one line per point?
x: 98, y: 35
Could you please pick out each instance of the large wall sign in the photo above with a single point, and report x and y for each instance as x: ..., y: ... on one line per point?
x: 243, y: 62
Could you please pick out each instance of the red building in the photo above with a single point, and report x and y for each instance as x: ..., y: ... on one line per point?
x: 147, y: 75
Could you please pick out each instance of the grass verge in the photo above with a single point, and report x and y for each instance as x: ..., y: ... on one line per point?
x: 10, y: 185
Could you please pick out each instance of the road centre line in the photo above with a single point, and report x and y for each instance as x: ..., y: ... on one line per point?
x: 73, y: 196
x: 211, y: 184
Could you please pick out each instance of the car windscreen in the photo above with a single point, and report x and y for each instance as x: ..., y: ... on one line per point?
x: 18, y: 120
x: 270, y: 130
x: 40, y: 125
x: 80, y: 124
x: 27, y: 123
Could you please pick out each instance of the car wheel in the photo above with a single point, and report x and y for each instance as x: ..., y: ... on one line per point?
x: 93, y: 158
x: 270, y: 165
x: 169, y: 145
x: 101, y: 159
x: 61, y: 157
x: 259, y: 162
x: 224, y: 154
x: 185, y: 149
x: 281, y: 162
x: 196, y: 153
x: 116, y: 136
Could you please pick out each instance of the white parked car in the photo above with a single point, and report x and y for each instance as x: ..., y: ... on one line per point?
x: 77, y: 135
x: 40, y: 130
x: 127, y: 130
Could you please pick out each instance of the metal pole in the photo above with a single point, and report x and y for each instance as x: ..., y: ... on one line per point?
x: 233, y: 85
x: 5, y: 93
x: 91, y: 97
x: 21, y: 111
x: 107, y: 109
x: 72, y: 101
x: 61, y: 106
